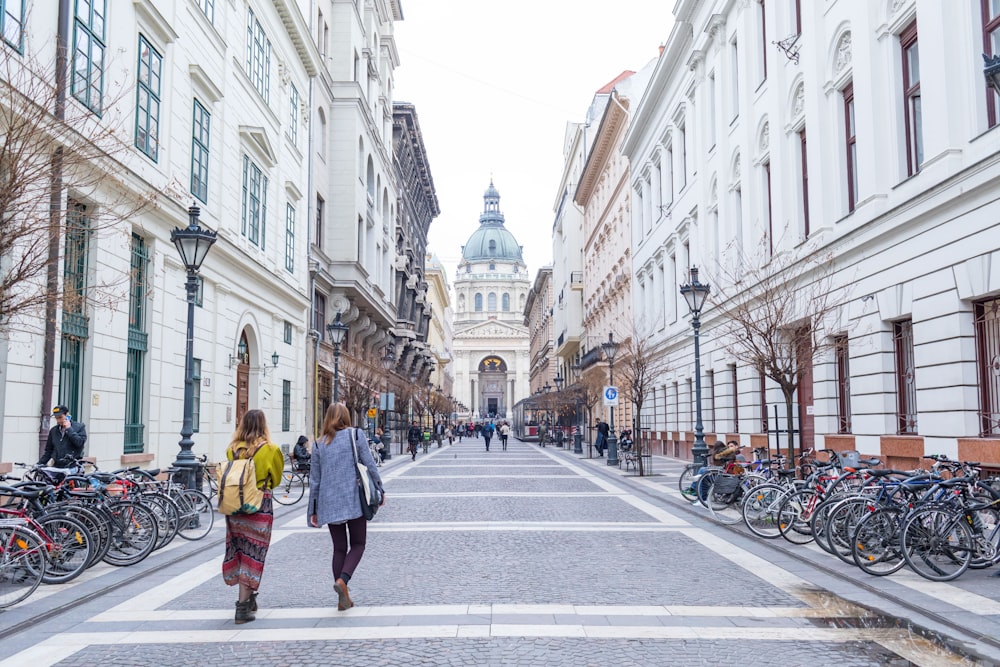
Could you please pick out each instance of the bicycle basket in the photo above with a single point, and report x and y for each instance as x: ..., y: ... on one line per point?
x: 850, y: 459
x: 725, y: 486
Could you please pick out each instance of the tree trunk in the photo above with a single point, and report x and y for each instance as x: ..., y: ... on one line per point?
x: 637, y: 440
x: 789, y: 412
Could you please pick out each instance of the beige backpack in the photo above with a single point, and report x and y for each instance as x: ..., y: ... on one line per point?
x: 238, y: 490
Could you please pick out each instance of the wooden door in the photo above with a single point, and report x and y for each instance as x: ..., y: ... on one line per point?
x: 242, y: 391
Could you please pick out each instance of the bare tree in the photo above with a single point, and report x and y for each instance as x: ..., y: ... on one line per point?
x: 640, y: 367
x: 359, y: 381
x: 774, y: 317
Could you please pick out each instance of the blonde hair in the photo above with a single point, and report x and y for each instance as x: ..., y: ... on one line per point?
x: 337, y: 418
x: 251, y: 430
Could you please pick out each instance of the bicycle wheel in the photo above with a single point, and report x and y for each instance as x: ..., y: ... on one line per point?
x: 167, y: 516
x: 986, y: 533
x: 843, y: 524
x: 687, y: 475
x: 704, y: 483
x: 794, y: 514
x: 133, y: 533
x: 196, y: 514
x: 70, y: 548
x: 290, y: 490
x: 937, y: 543
x: 22, y: 564
x: 760, y: 509
x: 875, y: 547
x: 818, y: 521
x: 726, y: 507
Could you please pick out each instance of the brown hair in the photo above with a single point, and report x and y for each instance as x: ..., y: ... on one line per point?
x: 337, y: 419
x: 251, y: 430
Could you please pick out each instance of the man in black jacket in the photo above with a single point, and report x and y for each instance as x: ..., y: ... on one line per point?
x: 603, y: 431
x: 66, y: 440
x: 413, y: 438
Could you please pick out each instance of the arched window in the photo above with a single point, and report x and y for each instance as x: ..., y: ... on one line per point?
x: 371, y: 181
x: 479, y: 302
x: 505, y: 301
x: 491, y: 302
x: 493, y: 247
x: 493, y: 267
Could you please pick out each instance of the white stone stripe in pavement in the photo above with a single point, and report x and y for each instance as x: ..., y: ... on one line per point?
x: 65, y: 645
x: 505, y: 494
x: 407, y: 478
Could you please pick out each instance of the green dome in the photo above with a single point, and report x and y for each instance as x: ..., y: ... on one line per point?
x: 492, y: 241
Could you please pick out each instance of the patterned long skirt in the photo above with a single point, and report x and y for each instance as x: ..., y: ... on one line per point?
x: 247, y: 538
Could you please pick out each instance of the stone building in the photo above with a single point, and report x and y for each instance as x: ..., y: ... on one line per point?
x: 490, y: 339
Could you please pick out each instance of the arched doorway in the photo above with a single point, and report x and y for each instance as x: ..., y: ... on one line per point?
x: 493, y: 400
x: 242, y: 377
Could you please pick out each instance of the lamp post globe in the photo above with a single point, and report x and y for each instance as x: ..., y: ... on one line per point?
x: 337, y: 330
x: 695, y: 294
x: 610, y: 349
x: 193, y: 244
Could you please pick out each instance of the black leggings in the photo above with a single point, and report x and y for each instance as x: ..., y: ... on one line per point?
x: 345, y: 561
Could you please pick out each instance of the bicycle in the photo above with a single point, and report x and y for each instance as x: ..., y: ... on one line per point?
x: 22, y: 561
x: 293, y: 484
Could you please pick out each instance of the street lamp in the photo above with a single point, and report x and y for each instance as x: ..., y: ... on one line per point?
x: 193, y: 245
x: 695, y: 293
x: 610, y: 350
x: 388, y: 361
x: 578, y: 436
x: 337, y: 331
x: 559, y: 379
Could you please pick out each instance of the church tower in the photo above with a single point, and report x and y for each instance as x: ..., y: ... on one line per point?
x: 490, y: 338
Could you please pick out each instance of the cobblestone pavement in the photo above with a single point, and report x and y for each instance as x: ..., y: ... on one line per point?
x: 525, y: 557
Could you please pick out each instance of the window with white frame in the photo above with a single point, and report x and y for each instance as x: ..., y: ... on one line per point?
x: 200, y: 135
x: 208, y: 8
x: 254, y: 203
x: 734, y: 73
x: 912, y: 116
x: 991, y: 47
x: 293, y: 114
x: 12, y: 23
x: 147, y: 99
x: 88, y: 54
x: 850, y: 147
x: 289, y: 238
x: 258, y: 56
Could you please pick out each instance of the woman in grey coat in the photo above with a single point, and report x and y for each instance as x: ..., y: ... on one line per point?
x: 333, y: 494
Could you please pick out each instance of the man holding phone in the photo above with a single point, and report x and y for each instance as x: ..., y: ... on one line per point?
x: 66, y: 440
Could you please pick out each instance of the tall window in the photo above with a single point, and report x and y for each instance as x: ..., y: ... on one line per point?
x: 319, y: 314
x: 208, y: 7
x: 763, y: 41
x: 293, y: 115
x: 254, y: 203
x: 710, y: 386
x: 137, y: 346
x: 201, y: 126
x: 147, y: 99
x: 491, y: 302
x: 987, y: 315
x: 287, y: 333
x: 289, y: 238
x: 196, y: 395
x: 991, y: 47
x: 851, y: 147
x: 682, y: 140
x: 911, y: 99
x: 318, y: 238
x: 88, y: 54
x: 75, y: 326
x: 842, y: 353
x: 770, y: 219
x: 479, y: 302
x: 258, y: 60
x: 906, y: 386
x: 711, y: 109
x: 735, y: 74
x: 805, y: 180
x: 736, y: 399
x: 12, y: 29
x: 505, y: 302
x: 286, y: 405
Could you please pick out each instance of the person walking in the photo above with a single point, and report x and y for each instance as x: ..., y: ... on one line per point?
x: 504, y: 433
x: 333, y: 494
x: 64, y: 445
x: 479, y: 429
x: 413, y: 438
x: 603, y: 430
x: 248, y: 536
x: 450, y: 432
x: 488, y: 430
x: 460, y: 431
x: 439, y: 433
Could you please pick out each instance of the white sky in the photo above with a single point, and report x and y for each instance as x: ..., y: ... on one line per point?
x: 494, y: 84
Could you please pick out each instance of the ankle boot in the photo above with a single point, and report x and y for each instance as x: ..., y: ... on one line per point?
x: 243, y: 613
x: 253, y: 601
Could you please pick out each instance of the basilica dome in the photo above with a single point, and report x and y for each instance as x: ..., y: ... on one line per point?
x: 492, y: 241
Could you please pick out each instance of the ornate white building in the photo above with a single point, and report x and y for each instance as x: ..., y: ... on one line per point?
x: 491, y: 341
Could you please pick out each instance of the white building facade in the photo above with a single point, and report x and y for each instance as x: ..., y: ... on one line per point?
x: 869, y: 138
x: 491, y: 341
x: 204, y: 96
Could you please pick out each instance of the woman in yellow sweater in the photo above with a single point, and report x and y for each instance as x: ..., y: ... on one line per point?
x: 249, y: 535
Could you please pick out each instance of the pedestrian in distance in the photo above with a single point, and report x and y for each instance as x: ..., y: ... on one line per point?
x: 460, y: 431
x: 450, y: 434
x: 504, y: 434
x: 439, y: 433
x: 64, y: 446
x: 479, y: 429
x: 382, y: 444
x: 300, y: 454
x: 488, y: 430
x: 248, y: 536
x: 603, y: 431
x: 413, y: 438
x: 333, y: 494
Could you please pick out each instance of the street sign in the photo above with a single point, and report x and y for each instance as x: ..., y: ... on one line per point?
x: 387, y: 401
x: 611, y: 396
x: 372, y: 413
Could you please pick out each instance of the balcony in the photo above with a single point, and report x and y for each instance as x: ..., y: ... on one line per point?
x: 576, y: 280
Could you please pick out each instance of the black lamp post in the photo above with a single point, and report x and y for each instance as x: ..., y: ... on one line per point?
x: 558, y: 379
x: 337, y: 331
x: 193, y: 245
x: 610, y: 350
x: 695, y: 293
x: 388, y: 361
